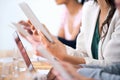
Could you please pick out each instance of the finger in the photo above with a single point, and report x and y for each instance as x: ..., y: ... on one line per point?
x: 59, y: 78
x: 24, y: 23
x: 21, y: 22
x: 28, y: 30
x: 36, y: 38
x: 35, y: 32
x: 51, y: 75
x: 26, y: 26
x: 38, y: 53
x: 29, y: 22
x: 57, y: 74
x: 32, y: 27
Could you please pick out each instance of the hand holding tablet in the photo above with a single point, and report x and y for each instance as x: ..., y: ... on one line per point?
x: 33, y: 19
x: 39, y: 27
x: 53, y: 61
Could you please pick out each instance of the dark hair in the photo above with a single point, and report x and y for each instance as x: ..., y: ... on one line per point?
x: 81, y: 1
x: 109, y: 17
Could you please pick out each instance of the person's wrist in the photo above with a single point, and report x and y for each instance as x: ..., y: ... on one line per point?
x: 64, y: 57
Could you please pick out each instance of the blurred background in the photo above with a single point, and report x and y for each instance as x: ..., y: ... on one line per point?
x: 47, y: 11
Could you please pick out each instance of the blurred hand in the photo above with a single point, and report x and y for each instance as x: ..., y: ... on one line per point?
x: 54, y: 75
x: 71, y: 70
x: 56, y: 48
x: 27, y: 25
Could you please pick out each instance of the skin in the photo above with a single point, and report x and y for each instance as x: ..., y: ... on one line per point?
x: 117, y: 3
x: 59, y: 2
x: 72, y: 71
x: 33, y: 39
x: 58, y: 49
x: 73, y: 8
x: 104, y: 10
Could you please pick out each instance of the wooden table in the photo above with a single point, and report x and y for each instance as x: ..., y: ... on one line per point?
x: 22, y: 75
x: 37, y: 65
x: 41, y: 65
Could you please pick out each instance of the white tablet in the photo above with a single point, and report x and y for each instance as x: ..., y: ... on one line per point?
x: 31, y: 16
x: 53, y: 61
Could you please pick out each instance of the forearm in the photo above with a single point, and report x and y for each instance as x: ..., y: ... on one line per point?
x: 74, y: 60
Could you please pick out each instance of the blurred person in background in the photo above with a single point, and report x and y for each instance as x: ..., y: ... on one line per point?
x: 71, y: 21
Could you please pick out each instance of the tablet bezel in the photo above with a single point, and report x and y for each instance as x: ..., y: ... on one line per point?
x: 23, y: 51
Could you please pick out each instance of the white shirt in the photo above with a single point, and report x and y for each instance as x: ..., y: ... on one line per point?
x: 109, y: 49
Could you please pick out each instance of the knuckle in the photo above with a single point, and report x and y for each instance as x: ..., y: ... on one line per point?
x: 47, y: 46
